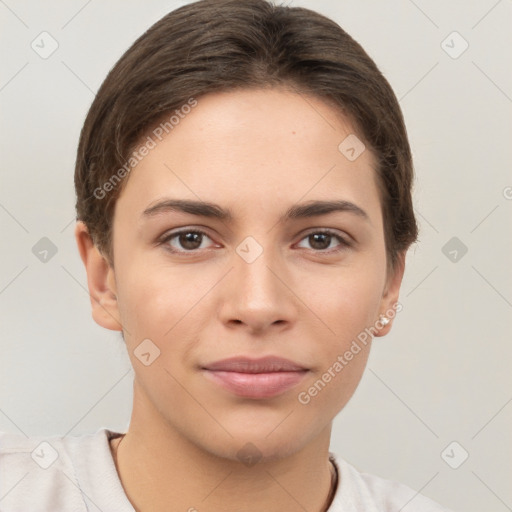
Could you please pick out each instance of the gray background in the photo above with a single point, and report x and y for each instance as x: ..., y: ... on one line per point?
x: 442, y: 373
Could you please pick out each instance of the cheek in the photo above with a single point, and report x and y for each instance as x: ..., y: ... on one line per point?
x: 163, y: 304
x: 139, y: 307
x: 330, y: 388
x: 347, y: 307
x: 147, y: 292
x: 346, y: 301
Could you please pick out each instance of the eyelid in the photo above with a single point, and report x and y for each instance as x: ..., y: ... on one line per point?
x: 345, y: 242
x: 329, y: 231
x: 169, y: 235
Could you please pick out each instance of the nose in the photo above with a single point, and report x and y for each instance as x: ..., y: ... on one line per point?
x: 258, y: 296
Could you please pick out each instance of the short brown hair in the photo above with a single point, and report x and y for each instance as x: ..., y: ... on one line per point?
x: 221, y: 45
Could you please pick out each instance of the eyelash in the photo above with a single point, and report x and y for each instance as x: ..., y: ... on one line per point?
x: 343, y: 243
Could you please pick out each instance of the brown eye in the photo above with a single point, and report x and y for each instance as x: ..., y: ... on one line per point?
x: 323, y: 240
x: 185, y: 240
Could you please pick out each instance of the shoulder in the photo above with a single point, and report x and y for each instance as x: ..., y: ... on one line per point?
x: 55, y: 473
x: 363, y: 491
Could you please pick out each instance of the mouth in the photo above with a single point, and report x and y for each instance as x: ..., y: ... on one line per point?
x: 261, y: 378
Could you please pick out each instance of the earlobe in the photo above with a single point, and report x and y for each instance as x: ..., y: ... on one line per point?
x: 100, y: 281
x: 390, y: 305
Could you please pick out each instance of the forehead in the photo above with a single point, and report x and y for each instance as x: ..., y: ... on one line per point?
x: 257, y: 148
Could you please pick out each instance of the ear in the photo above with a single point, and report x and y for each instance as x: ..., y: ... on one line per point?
x: 100, y: 281
x: 389, y: 304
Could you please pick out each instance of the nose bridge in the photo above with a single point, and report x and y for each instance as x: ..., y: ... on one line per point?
x: 253, y: 271
x: 257, y: 295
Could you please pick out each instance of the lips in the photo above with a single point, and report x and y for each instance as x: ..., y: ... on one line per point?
x: 261, y: 378
x: 268, y: 364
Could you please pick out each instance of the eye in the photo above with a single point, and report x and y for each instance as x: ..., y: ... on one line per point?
x: 187, y: 240
x: 191, y: 240
x: 322, y: 241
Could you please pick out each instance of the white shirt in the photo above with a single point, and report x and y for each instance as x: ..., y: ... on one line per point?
x: 78, y: 474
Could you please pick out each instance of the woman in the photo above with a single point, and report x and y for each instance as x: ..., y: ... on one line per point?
x: 244, y: 208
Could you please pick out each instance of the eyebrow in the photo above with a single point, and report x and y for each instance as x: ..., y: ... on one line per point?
x: 211, y: 210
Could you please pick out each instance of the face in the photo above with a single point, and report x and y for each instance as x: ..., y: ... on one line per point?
x: 256, y: 276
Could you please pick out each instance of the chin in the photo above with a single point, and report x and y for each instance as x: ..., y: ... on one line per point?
x: 251, y: 452
x: 261, y: 441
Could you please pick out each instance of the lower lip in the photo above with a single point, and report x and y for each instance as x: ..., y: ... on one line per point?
x: 256, y: 385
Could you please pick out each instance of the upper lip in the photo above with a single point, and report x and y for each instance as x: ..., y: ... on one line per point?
x: 267, y: 364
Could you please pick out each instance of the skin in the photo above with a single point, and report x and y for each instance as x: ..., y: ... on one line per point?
x: 257, y: 153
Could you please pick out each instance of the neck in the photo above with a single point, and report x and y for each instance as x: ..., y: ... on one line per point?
x: 158, y: 466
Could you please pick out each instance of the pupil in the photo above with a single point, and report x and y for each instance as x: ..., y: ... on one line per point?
x: 316, y: 238
x: 189, y: 240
